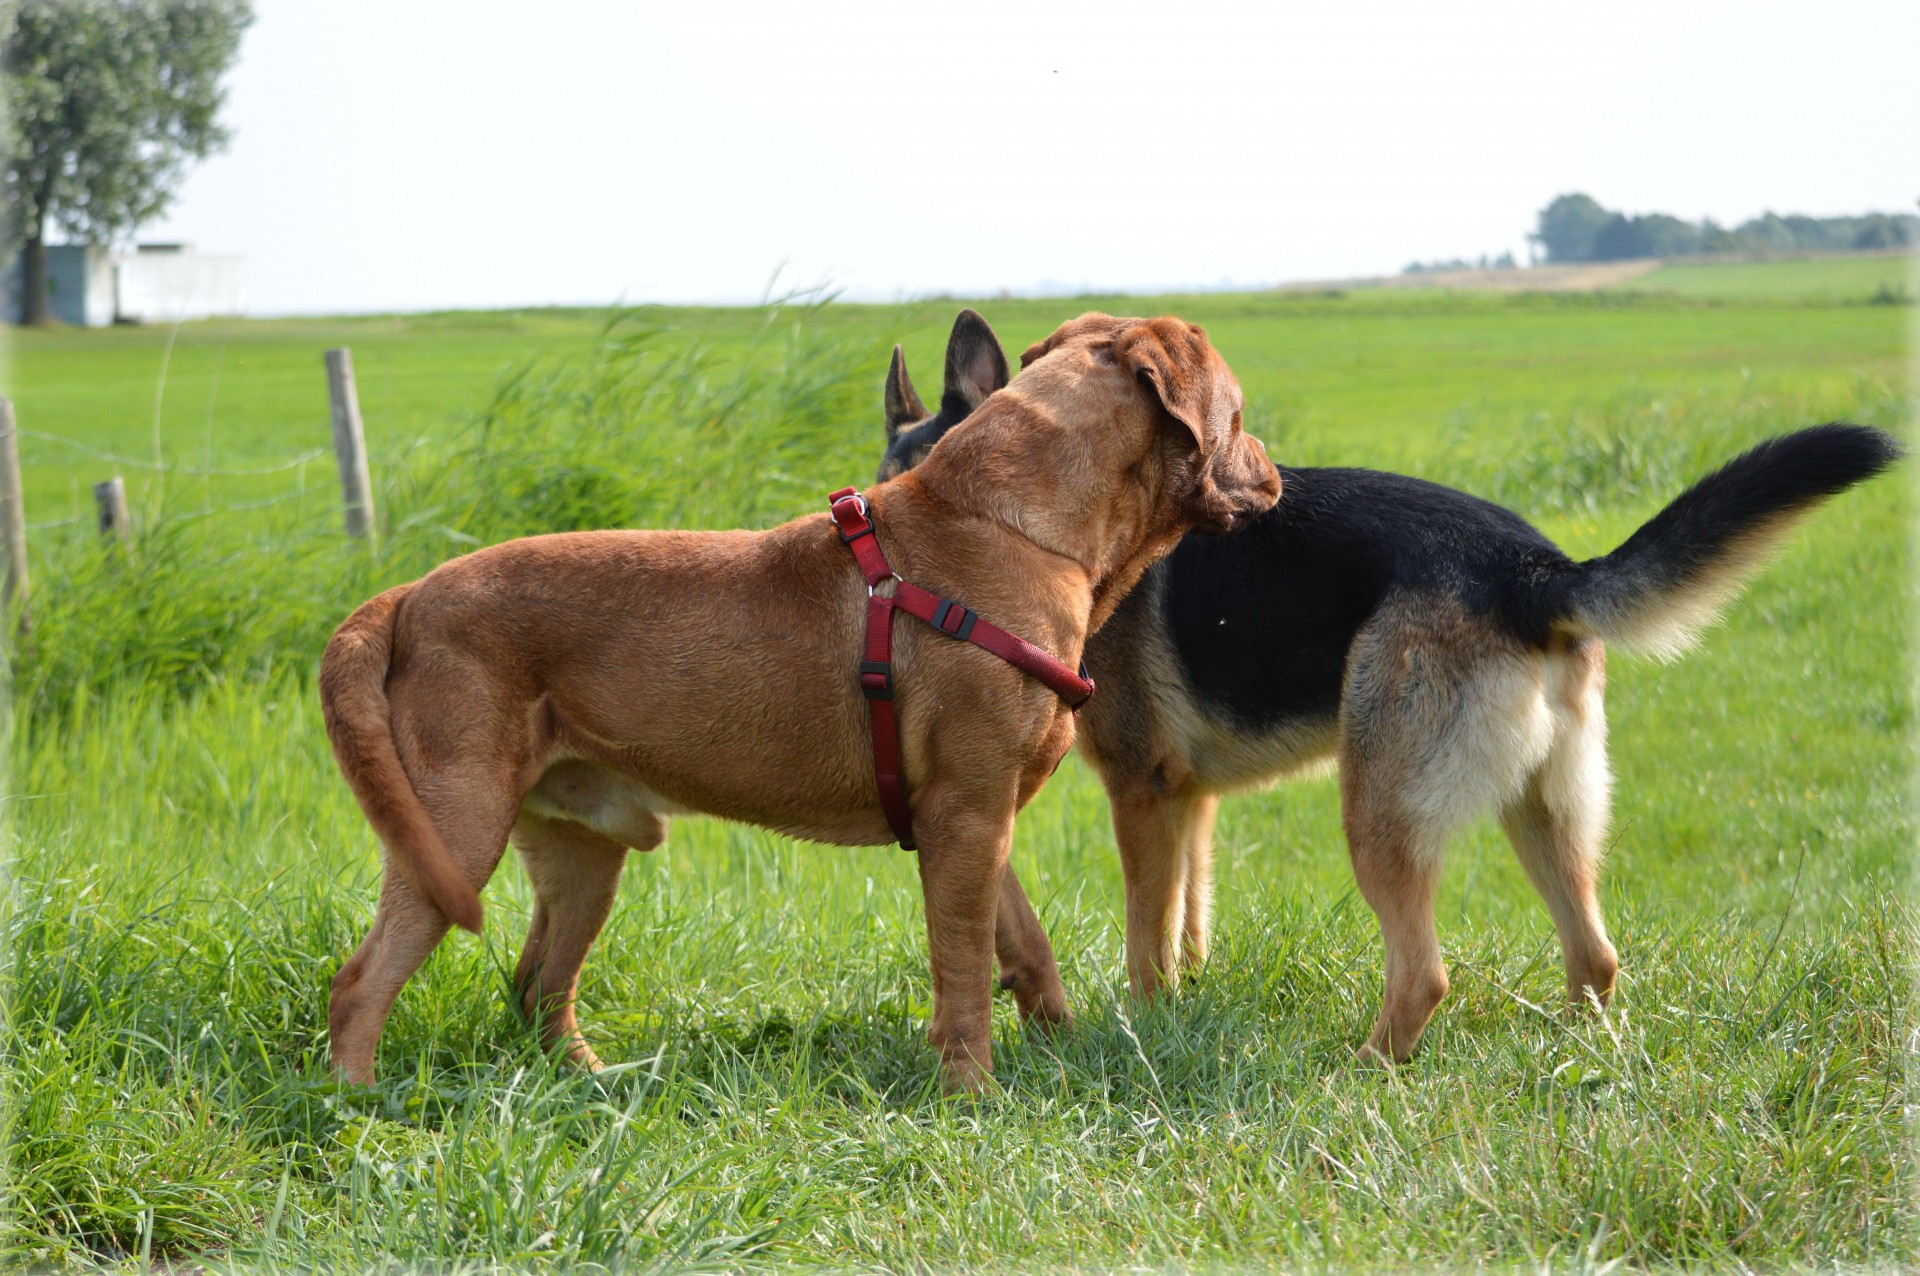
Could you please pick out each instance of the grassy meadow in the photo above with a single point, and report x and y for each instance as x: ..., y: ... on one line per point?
x: 1889, y: 277
x: 186, y: 870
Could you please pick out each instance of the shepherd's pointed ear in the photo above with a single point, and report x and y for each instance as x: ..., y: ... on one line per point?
x: 976, y: 366
x: 903, y: 405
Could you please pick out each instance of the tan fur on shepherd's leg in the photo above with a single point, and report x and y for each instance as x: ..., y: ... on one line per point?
x: 1027, y: 964
x: 1564, y: 871
x: 1196, y: 839
x: 575, y: 874
x: 1557, y: 824
x: 1395, y: 870
x: 1152, y: 830
x: 1399, y: 887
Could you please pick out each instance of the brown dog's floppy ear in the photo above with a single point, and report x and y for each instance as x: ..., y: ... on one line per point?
x: 976, y: 366
x: 1072, y: 328
x: 903, y: 405
x: 1173, y: 359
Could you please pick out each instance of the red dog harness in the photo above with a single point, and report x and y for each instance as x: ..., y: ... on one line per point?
x: 950, y: 618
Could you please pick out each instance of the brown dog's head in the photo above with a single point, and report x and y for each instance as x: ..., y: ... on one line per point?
x: 1119, y: 436
x: 1217, y: 473
x: 1184, y: 374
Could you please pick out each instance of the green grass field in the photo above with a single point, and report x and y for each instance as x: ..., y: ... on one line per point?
x: 187, y: 870
x: 1815, y: 279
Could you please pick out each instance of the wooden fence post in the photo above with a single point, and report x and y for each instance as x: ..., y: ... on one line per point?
x: 111, y: 497
x: 349, y: 443
x: 13, y: 516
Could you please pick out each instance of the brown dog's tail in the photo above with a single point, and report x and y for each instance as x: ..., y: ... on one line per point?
x: 353, y: 699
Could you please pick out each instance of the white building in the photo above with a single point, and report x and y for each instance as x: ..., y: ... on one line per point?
x: 156, y: 283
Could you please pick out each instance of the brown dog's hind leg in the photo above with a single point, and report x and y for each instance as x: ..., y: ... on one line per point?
x: 575, y: 874
x: 406, y: 929
x: 1027, y: 965
x: 471, y: 801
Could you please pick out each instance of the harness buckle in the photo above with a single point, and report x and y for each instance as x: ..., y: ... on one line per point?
x: 840, y: 498
x: 876, y: 679
x: 961, y: 617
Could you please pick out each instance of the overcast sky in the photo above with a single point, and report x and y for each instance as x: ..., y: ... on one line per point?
x: 402, y: 155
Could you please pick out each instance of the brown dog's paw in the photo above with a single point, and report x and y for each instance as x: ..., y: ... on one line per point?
x: 968, y: 1081
x: 1050, y: 1020
x: 1042, y: 1003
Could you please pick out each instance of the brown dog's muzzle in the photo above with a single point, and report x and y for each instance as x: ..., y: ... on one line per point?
x: 1243, y: 484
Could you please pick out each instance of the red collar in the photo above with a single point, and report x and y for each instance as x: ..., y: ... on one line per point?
x: 950, y: 618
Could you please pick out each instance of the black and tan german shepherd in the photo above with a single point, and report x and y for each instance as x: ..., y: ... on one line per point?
x: 1436, y: 646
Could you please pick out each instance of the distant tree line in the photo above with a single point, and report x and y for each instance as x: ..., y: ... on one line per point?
x: 1503, y: 262
x: 1579, y: 228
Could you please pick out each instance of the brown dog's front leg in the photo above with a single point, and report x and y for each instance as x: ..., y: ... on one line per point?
x: 1027, y: 966
x: 962, y: 856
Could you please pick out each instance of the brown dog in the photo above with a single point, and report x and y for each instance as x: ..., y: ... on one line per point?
x: 570, y: 692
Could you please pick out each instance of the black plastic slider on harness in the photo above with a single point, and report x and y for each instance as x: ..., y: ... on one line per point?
x: 876, y: 679
x: 961, y: 627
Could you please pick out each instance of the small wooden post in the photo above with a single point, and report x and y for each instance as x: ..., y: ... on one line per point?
x: 13, y: 515
x: 111, y: 497
x: 349, y: 443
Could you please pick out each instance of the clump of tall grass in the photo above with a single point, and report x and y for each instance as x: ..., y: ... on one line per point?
x: 1637, y: 446
x: 643, y: 430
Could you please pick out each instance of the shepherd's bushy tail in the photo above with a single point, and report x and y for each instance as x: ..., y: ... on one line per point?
x: 1670, y: 579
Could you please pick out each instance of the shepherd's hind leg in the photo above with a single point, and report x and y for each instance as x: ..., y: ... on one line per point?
x: 1395, y: 866
x: 1564, y: 868
x: 1441, y: 719
x: 1557, y: 823
x: 575, y: 874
